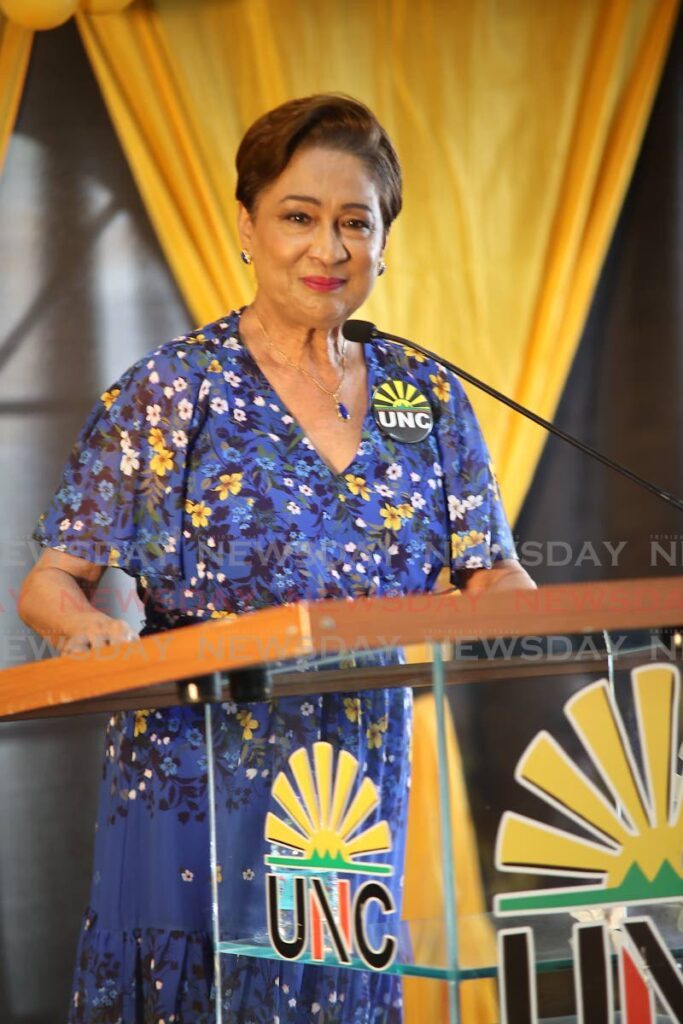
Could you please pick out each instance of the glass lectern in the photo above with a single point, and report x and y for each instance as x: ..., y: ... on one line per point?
x: 566, y: 706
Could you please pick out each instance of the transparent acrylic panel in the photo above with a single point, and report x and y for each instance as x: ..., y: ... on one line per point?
x: 570, y: 758
x: 568, y: 820
x: 326, y: 767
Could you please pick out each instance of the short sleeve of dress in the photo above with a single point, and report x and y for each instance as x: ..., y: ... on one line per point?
x: 121, y: 497
x: 479, y: 531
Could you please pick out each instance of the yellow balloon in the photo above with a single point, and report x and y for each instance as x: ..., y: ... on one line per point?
x: 103, y: 6
x: 38, y: 14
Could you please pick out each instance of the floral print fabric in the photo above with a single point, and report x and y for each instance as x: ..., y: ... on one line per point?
x: 191, y: 475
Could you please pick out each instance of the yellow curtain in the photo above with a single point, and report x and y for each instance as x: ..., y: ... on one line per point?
x: 517, y: 121
x: 15, y: 49
x: 423, y: 890
x: 627, y: 54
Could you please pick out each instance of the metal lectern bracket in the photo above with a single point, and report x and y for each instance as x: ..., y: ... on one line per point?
x: 243, y: 685
x: 206, y: 689
x: 248, y: 684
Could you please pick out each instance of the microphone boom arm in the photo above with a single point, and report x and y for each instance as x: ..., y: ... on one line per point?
x: 365, y: 331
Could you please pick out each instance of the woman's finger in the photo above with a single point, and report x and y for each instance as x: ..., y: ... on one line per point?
x: 118, y: 632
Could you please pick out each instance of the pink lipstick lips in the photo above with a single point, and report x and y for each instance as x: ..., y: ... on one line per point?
x: 324, y: 284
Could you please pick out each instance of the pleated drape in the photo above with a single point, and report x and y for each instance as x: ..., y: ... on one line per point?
x: 15, y: 50
x: 622, y: 74
x: 157, y: 125
x: 517, y: 123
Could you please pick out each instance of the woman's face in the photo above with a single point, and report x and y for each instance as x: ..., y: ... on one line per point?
x: 316, y: 238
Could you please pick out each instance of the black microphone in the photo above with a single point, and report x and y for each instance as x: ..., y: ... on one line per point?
x: 363, y: 332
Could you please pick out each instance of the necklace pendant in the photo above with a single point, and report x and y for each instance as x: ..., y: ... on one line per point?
x: 342, y: 412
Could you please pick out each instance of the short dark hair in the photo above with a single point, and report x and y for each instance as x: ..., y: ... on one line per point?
x: 330, y: 120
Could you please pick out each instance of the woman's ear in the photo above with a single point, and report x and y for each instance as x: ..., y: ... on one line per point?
x: 245, y: 226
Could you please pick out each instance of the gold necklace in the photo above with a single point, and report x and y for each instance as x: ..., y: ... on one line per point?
x: 342, y: 412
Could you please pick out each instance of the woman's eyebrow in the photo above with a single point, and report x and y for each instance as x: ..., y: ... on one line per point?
x: 302, y: 199
x: 316, y: 202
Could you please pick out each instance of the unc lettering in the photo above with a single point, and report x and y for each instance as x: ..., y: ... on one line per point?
x: 321, y: 914
x: 348, y: 929
x: 645, y: 966
x: 375, y: 959
x: 288, y: 949
x: 404, y: 418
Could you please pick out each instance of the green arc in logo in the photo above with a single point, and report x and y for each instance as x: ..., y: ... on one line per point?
x: 635, y: 888
x: 328, y: 863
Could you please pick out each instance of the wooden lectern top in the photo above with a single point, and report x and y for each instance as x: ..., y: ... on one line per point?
x: 337, y: 627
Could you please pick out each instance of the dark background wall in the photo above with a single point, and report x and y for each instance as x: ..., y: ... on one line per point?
x: 84, y: 291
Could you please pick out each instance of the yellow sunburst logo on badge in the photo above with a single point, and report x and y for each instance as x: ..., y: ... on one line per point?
x: 325, y: 819
x: 399, y: 394
x: 636, y: 855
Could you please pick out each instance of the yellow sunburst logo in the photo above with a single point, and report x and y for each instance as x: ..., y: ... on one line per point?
x: 325, y: 831
x: 637, y: 853
x: 399, y: 394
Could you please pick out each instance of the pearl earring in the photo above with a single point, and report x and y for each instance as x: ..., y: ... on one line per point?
x: 246, y: 257
x: 381, y: 268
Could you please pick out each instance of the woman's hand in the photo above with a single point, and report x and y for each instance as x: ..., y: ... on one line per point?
x: 97, y: 631
x: 55, y: 601
x: 506, y: 574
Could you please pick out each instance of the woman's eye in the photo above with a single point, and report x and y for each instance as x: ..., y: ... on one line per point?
x: 298, y: 218
x: 356, y: 224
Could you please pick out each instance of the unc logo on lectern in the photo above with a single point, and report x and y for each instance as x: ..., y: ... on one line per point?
x: 629, y: 847
x: 323, y: 838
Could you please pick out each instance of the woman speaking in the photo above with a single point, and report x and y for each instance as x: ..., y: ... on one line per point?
x: 245, y: 465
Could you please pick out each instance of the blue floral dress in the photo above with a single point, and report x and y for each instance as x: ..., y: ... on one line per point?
x: 192, y: 476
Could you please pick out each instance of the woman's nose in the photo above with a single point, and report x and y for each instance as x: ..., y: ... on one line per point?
x: 327, y: 244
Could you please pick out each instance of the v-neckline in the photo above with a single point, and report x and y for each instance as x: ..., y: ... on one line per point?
x: 302, y: 435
